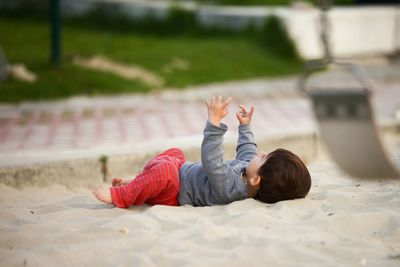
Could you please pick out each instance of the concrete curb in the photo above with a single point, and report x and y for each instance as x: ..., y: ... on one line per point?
x: 87, y: 172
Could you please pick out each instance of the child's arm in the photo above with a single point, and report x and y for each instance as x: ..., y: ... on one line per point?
x: 212, y: 147
x: 246, y: 147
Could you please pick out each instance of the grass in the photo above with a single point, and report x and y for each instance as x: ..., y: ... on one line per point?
x: 211, y: 59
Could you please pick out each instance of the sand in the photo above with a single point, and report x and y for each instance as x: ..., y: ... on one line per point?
x: 343, y: 222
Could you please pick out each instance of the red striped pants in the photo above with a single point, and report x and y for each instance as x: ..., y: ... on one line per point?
x: 158, y: 183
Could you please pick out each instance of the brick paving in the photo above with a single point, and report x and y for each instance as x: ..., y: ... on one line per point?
x: 39, y: 132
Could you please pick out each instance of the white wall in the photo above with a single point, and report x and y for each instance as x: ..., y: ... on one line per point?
x: 355, y: 31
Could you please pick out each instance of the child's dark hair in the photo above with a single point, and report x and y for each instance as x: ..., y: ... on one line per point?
x: 283, y: 176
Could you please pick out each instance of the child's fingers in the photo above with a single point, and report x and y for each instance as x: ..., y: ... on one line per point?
x: 226, y: 102
x: 238, y: 116
x: 217, y: 102
x: 251, y: 111
x: 213, y: 100
x: 210, y: 102
x: 243, y: 112
x: 242, y: 109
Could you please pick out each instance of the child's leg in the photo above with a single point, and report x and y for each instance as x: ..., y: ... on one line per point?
x: 172, y: 154
x: 161, y: 179
x: 157, y: 184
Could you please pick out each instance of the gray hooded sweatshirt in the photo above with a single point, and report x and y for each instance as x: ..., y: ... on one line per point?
x: 214, y: 181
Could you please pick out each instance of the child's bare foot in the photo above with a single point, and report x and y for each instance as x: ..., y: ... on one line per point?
x: 102, y: 194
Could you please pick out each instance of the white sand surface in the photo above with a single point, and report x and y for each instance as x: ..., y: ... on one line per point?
x: 343, y: 222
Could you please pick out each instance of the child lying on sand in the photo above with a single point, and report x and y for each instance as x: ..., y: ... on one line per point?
x: 168, y: 180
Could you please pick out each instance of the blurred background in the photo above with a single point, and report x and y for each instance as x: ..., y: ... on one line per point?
x: 91, y: 80
x: 52, y: 49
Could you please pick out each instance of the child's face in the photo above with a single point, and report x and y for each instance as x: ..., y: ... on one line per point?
x: 255, y: 164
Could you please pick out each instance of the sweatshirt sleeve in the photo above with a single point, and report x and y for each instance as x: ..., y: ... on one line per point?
x: 212, y: 154
x: 246, y: 148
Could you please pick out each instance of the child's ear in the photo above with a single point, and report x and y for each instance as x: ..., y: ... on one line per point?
x: 255, y: 181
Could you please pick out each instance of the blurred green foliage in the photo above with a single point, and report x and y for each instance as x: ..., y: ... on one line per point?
x: 212, y: 55
x: 177, y: 22
x: 274, y: 38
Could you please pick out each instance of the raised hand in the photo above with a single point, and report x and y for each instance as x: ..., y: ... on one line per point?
x: 243, y: 116
x: 217, y: 109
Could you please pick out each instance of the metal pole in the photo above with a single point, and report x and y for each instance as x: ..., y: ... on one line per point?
x: 55, y: 32
x: 325, y: 5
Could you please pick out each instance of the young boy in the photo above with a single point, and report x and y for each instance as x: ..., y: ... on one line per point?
x: 168, y: 180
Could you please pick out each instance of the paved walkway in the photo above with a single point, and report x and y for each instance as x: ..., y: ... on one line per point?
x: 84, y: 127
